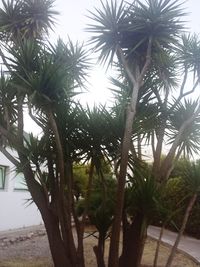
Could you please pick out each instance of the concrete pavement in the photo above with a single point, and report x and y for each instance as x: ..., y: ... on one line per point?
x: 188, y: 245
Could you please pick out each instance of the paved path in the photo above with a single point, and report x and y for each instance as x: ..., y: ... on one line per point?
x: 188, y: 245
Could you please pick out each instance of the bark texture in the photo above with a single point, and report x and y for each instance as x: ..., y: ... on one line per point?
x: 133, y: 243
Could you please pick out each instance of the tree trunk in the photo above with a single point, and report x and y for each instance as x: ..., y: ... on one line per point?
x: 64, y: 201
x: 99, y: 250
x: 158, y: 152
x: 185, y: 219
x: 81, y: 224
x: 136, y: 78
x: 158, y: 246
x: 139, y: 146
x: 58, y: 250
x: 115, y: 234
x: 133, y: 243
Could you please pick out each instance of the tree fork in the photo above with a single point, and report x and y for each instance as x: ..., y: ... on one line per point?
x: 136, y: 80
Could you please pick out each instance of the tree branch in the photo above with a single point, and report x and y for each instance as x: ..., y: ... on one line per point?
x: 153, y: 145
x: 192, y: 90
x: 9, y: 156
x: 183, y: 83
x: 148, y: 60
x: 34, y: 118
x: 4, y: 60
x: 185, y: 94
x: 7, y: 134
x: 170, y: 156
x: 124, y: 62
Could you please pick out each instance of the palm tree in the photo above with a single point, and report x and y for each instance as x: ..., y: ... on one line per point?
x: 97, y: 142
x: 135, y: 33
x: 182, y: 114
x: 26, y: 19
x: 48, y: 78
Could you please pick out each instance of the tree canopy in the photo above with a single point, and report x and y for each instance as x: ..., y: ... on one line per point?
x: 154, y: 57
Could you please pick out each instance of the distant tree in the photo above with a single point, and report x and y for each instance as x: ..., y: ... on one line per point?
x: 80, y: 175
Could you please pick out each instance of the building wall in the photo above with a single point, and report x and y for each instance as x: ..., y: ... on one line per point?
x: 15, y: 210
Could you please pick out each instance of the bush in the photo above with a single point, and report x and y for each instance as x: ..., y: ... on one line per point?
x: 176, y: 198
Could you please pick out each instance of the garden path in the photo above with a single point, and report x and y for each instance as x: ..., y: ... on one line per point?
x: 188, y: 245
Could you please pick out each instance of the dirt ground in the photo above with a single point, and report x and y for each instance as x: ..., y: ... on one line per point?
x: 29, y: 248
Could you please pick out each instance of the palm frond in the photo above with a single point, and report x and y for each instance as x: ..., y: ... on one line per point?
x: 24, y: 19
x: 130, y: 26
x: 190, y: 141
x: 51, y: 72
x: 188, y: 53
x: 191, y: 176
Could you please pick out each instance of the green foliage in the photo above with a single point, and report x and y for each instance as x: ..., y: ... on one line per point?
x: 80, y: 179
x: 179, y: 166
x: 131, y: 26
x: 98, y: 137
x: 101, y: 205
x: 47, y: 74
x: 26, y: 19
x: 45, y: 79
x: 191, y: 177
x: 101, y: 201
x: 8, y: 103
x: 190, y: 142
x: 189, y: 53
x: 143, y: 196
x: 175, y: 198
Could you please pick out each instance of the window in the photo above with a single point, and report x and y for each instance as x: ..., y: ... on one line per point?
x: 20, y: 183
x: 2, y: 177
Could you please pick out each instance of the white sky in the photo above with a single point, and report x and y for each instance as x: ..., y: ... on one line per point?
x: 72, y: 22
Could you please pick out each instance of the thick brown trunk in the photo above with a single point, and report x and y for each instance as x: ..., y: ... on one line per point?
x: 185, y: 219
x: 64, y: 204
x: 60, y: 253
x: 58, y: 250
x: 133, y: 243
x: 99, y: 250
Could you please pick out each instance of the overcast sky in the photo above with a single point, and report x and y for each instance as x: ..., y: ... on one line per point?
x: 72, y: 22
x: 73, y: 16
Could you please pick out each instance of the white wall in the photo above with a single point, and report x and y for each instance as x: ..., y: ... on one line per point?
x: 15, y: 212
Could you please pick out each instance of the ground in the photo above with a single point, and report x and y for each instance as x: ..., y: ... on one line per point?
x: 29, y: 248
